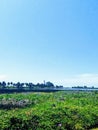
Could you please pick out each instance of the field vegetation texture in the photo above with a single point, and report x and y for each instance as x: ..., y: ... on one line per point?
x: 49, y: 111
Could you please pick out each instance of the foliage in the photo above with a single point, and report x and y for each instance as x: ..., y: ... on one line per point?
x: 50, y: 111
x: 22, y: 86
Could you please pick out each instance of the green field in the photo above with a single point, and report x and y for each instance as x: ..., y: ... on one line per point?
x: 66, y: 110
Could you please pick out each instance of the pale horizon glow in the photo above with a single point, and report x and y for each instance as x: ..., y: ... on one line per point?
x: 75, y: 80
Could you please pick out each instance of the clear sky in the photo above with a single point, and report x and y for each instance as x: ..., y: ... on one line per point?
x: 52, y: 40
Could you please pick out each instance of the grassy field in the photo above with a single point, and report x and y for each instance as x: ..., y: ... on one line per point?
x: 49, y: 111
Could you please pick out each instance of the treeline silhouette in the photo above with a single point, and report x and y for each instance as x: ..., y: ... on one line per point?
x: 26, y: 87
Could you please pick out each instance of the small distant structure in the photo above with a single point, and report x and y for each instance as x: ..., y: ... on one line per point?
x: 44, y: 82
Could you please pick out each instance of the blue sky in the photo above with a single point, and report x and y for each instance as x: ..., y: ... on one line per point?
x: 52, y: 40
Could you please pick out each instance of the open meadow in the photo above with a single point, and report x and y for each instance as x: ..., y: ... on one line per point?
x: 67, y: 110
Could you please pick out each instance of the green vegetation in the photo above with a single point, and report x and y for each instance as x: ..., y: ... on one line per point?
x: 49, y: 111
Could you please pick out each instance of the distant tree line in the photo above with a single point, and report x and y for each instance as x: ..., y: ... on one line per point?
x: 19, y: 85
x: 85, y: 87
